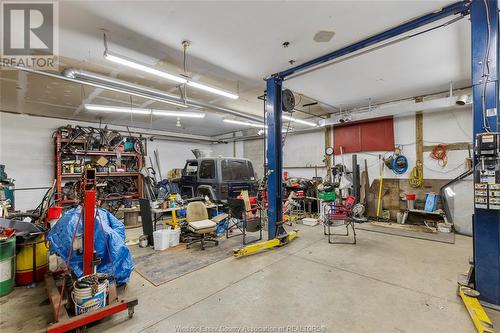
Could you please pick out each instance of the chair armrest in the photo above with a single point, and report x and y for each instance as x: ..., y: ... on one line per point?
x: 219, y: 218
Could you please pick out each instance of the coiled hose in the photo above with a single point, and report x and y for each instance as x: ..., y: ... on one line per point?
x: 399, y: 164
x: 440, y: 153
x: 416, y: 179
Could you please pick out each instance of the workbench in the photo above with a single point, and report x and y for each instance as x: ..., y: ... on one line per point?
x: 174, y: 221
x: 423, y: 212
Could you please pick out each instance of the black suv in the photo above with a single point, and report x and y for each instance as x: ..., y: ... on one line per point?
x: 219, y: 178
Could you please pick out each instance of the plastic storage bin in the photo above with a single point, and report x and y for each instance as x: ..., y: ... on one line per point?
x: 161, y: 239
x: 327, y: 196
x: 174, y: 236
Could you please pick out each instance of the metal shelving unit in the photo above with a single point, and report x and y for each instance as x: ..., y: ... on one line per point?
x: 61, y: 176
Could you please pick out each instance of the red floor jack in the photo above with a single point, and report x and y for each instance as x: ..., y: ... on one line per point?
x: 55, y: 285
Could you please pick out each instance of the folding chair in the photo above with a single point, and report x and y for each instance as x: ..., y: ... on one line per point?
x: 244, y: 220
x: 340, y: 215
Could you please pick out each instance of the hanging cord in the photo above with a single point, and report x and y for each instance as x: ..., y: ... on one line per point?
x: 440, y: 153
x: 105, y: 40
x: 486, y: 70
x: 399, y: 164
x: 416, y: 179
x: 264, y: 139
x: 286, y: 134
x: 183, y: 87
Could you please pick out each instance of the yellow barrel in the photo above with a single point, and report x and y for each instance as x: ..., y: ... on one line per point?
x: 33, y: 253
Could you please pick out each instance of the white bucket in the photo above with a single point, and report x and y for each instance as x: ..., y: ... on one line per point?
x: 161, y: 239
x: 85, y: 302
x: 174, y: 237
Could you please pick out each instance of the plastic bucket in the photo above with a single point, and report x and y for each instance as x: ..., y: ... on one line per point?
x: 84, y: 300
x: 7, y: 265
x: 161, y: 239
x: 173, y: 237
x: 143, y: 241
x: 54, y: 213
x: 410, y: 200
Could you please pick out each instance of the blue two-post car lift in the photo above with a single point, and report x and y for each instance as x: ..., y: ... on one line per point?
x: 486, y: 223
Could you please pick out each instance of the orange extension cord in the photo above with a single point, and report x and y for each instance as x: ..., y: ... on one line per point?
x: 440, y: 153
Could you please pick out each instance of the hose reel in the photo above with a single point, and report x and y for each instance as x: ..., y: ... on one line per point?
x: 287, y: 100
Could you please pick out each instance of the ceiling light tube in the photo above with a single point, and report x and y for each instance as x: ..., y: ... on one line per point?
x: 237, y: 122
x: 145, y: 68
x: 121, y: 109
x: 213, y: 90
x: 299, y: 121
x: 283, y: 130
x: 178, y: 114
x: 108, y: 83
x: 148, y: 69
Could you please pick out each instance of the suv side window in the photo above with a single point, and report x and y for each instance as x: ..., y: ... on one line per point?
x: 207, y: 169
x: 191, y: 169
x: 237, y: 170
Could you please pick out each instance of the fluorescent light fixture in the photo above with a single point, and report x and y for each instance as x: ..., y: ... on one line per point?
x: 299, y: 121
x: 106, y: 108
x: 283, y: 130
x: 212, y: 90
x: 178, y: 114
x: 237, y: 122
x: 148, y: 69
x: 145, y: 68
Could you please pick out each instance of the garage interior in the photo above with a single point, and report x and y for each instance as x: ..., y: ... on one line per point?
x: 246, y: 166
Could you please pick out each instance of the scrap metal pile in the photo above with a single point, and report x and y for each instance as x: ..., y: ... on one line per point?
x: 98, y: 139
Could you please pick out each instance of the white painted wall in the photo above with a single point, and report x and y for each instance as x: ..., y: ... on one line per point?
x: 302, y: 152
x: 230, y: 149
x: 27, y: 150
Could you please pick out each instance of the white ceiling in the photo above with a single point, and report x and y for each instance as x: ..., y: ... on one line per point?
x: 237, y: 44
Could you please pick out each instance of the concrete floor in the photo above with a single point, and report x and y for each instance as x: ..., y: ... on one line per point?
x: 383, y: 284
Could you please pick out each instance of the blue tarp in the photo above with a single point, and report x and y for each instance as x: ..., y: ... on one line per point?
x: 116, y: 258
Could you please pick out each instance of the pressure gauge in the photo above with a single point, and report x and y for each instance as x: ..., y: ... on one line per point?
x: 329, y: 151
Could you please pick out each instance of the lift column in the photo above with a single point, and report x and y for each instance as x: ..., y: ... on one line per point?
x: 274, y: 156
x: 486, y: 222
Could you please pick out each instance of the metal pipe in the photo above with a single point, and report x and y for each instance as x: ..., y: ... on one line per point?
x: 170, y: 135
x: 103, y: 82
x: 150, y: 92
x: 263, y: 137
x: 127, y: 87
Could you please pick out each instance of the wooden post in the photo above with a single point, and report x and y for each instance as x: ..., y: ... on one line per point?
x: 419, y: 135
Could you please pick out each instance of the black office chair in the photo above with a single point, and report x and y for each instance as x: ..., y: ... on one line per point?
x: 238, y: 218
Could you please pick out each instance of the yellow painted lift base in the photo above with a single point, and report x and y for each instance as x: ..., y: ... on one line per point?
x: 479, y: 317
x: 269, y: 244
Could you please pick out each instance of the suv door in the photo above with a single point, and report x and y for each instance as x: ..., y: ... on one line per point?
x: 238, y: 175
x: 207, y: 179
x: 189, y: 178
